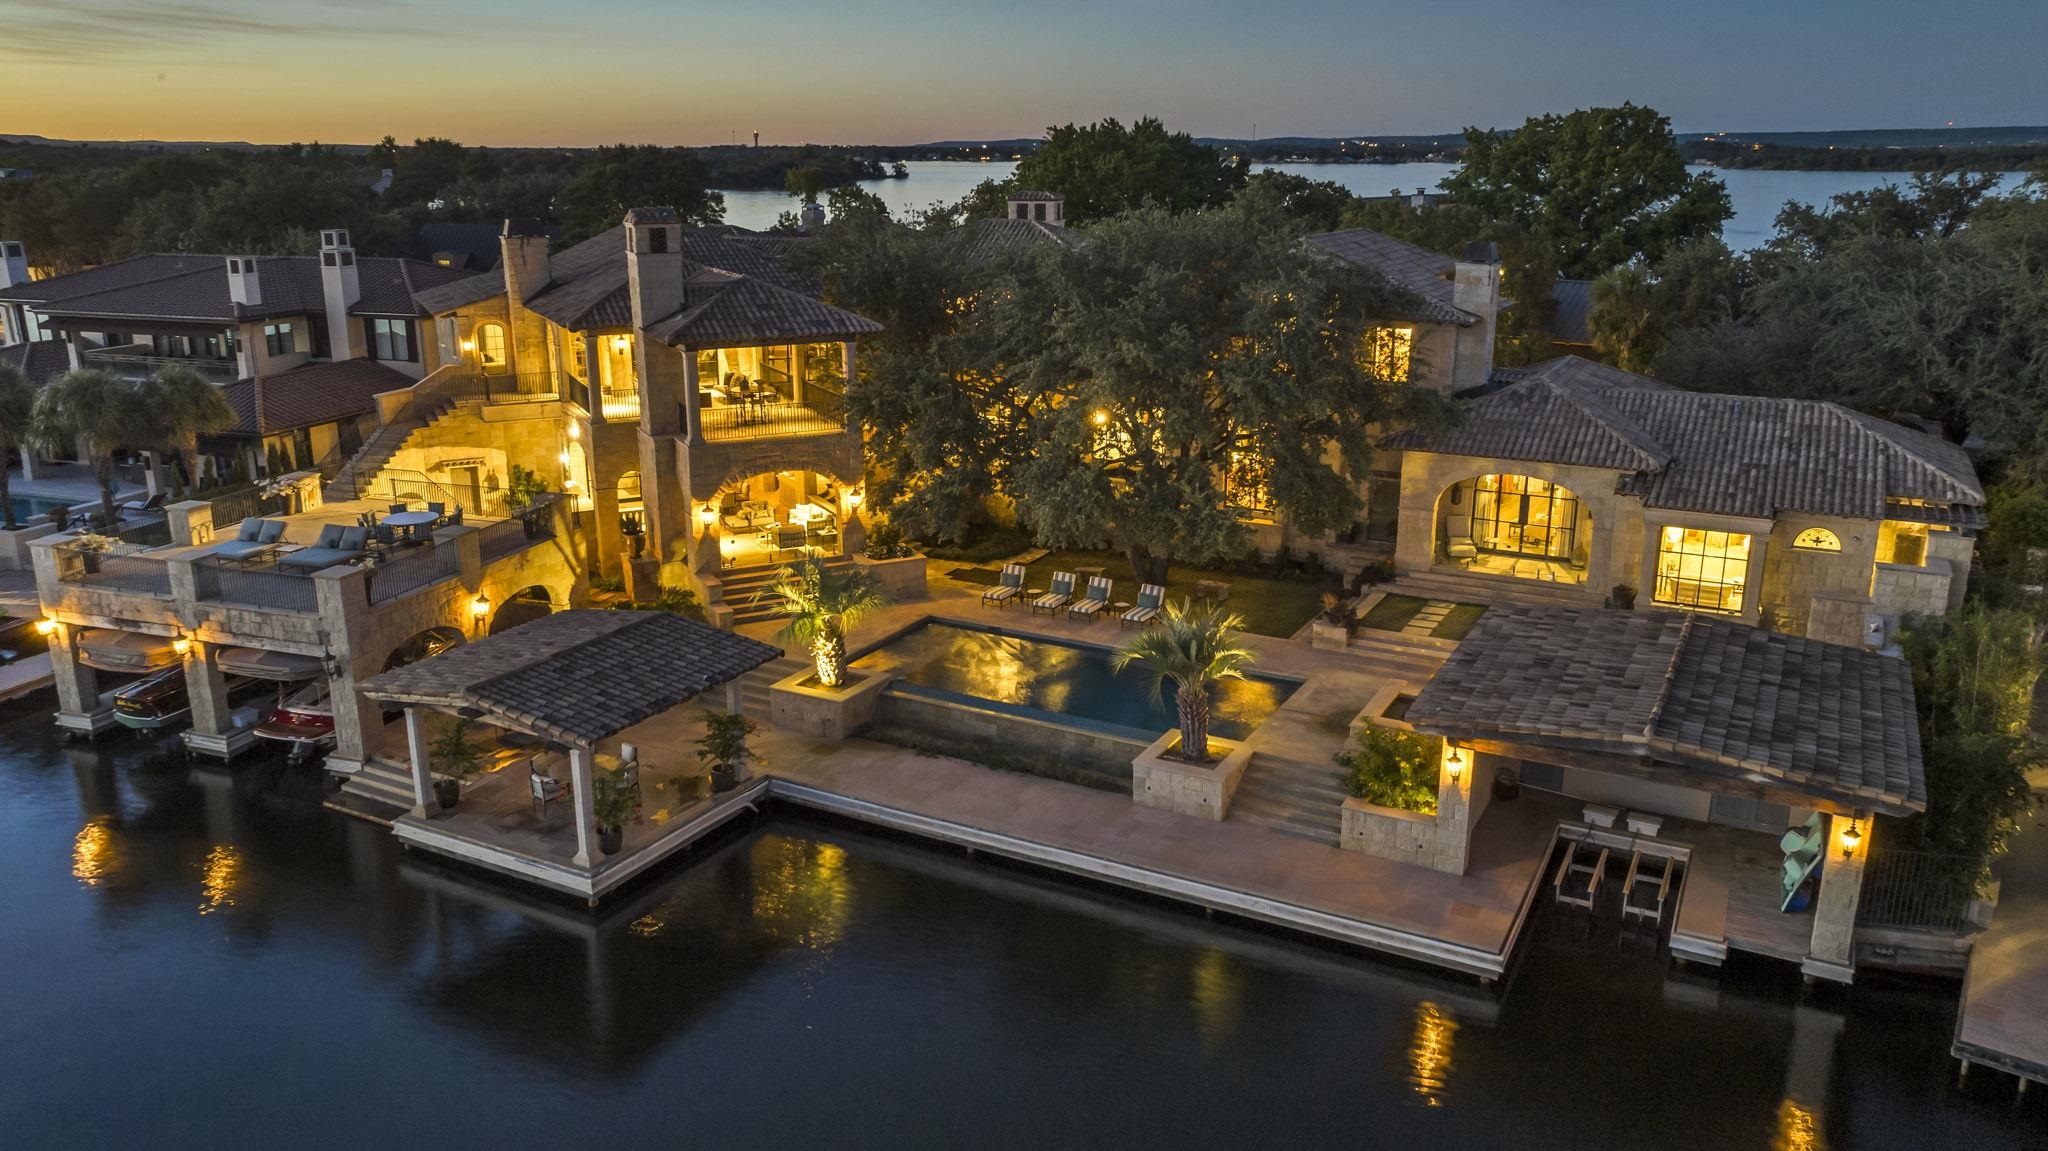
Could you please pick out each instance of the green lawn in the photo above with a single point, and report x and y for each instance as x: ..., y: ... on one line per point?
x: 1459, y: 621
x: 1270, y: 606
x: 1394, y: 611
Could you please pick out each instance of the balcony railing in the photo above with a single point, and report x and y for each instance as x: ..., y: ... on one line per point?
x: 276, y: 590
x: 412, y: 571
x: 129, y: 363
x: 769, y: 419
x: 118, y: 571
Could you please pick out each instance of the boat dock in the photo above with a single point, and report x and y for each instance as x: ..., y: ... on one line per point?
x: 2002, y: 1022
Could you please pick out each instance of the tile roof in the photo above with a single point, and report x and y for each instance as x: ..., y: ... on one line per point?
x: 579, y: 676
x: 1429, y: 275
x: 315, y: 393
x: 721, y: 309
x: 194, y: 288
x: 1031, y: 196
x: 1713, y: 698
x: 979, y: 241
x: 477, y: 244
x: 39, y: 360
x: 1705, y: 452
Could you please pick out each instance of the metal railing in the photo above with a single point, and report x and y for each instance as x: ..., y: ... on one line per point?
x: 502, y: 539
x: 773, y: 419
x: 276, y: 590
x: 140, y: 365
x: 131, y: 573
x: 1916, y: 891
x: 410, y: 571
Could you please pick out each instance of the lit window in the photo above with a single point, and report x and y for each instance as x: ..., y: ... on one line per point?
x: 1902, y: 543
x: 1817, y: 540
x: 1388, y: 352
x: 1246, y: 483
x: 490, y: 346
x: 1702, y: 569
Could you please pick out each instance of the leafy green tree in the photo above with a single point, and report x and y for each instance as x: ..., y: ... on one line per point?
x: 1636, y: 305
x: 1935, y: 205
x: 100, y: 412
x: 183, y: 406
x: 17, y: 428
x: 1974, y: 674
x: 1105, y: 168
x: 1194, y: 647
x: 1308, y: 205
x: 623, y: 176
x: 806, y: 183
x: 1594, y: 188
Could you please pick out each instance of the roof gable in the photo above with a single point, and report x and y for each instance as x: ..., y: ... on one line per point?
x: 1423, y: 273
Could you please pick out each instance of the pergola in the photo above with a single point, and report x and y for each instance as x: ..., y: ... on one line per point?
x: 572, y: 678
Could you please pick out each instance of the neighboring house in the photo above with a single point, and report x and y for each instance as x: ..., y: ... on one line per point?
x: 468, y: 247
x: 1800, y: 515
x: 1030, y: 219
x: 232, y: 317
x: 41, y: 361
x: 314, y: 416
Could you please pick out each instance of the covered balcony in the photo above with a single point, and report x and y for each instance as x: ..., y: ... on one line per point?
x: 771, y: 392
x: 141, y: 360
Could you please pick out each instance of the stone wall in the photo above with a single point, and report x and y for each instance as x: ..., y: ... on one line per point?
x: 1612, y: 554
x: 1794, y: 576
x: 1440, y: 841
x: 1900, y: 591
x: 490, y: 438
x: 965, y: 727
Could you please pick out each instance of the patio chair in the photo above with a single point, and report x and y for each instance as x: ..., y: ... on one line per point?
x: 1577, y: 881
x: 1093, y: 600
x: 400, y: 509
x: 1009, y: 586
x: 1060, y: 594
x: 789, y: 539
x: 1804, y: 839
x: 1458, y: 542
x: 438, y: 509
x: 1150, y: 596
x: 454, y: 519
x: 1648, y: 886
x: 149, y: 505
x: 546, y: 789
x: 255, y: 539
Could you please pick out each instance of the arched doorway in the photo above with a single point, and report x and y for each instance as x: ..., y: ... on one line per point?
x: 1505, y: 523
x: 774, y: 517
x: 492, y: 357
x: 525, y: 605
x: 423, y: 645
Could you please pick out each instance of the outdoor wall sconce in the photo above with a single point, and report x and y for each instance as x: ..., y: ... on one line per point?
x: 575, y: 431
x: 468, y: 346
x: 45, y: 626
x: 1100, y: 417
x: 1851, y: 839
x: 1455, y: 764
x: 479, y: 608
x: 707, y: 515
x: 182, y: 644
x: 620, y: 344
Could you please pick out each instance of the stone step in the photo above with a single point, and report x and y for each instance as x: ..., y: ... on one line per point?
x: 378, y: 782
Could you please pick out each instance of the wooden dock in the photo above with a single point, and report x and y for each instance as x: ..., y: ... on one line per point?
x: 2002, y: 1022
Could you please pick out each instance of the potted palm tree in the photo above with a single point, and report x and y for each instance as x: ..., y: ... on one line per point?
x: 99, y: 411
x: 724, y: 747
x: 454, y: 759
x: 17, y: 428
x: 822, y: 606
x: 1194, y: 648
x: 635, y: 532
x: 612, y: 801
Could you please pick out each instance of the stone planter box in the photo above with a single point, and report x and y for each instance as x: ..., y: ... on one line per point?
x: 797, y: 704
x: 1402, y: 836
x: 902, y: 578
x: 14, y: 553
x: 1326, y: 636
x: 1201, y: 790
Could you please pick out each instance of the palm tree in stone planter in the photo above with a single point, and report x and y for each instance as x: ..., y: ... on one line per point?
x: 1194, y: 647
x: 822, y: 606
x: 17, y: 428
x: 100, y: 412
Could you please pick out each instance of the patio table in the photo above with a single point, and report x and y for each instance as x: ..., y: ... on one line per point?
x: 411, y: 521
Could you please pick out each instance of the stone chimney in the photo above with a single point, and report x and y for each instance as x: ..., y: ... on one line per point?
x: 341, y: 286
x: 244, y: 285
x: 1048, y: 208
x: 1475, y: 288
x: 13, y: 264
x: 654, y: 263
x: 523, y: 248
x: 812, y: 216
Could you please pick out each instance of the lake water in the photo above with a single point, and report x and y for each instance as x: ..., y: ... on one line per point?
x: 210, y: 960
x: 1756, y: 195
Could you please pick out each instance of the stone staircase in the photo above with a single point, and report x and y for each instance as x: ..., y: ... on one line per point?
x: 359, y: 475
x: 1459, y: 587
x: 376, y: 791
x: 737, y: 589
x: 754, y: 696
x: 1289, y: 796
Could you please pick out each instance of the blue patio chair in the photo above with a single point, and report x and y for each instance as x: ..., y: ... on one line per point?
x: 1150, y: 596
x: 1093, y: 600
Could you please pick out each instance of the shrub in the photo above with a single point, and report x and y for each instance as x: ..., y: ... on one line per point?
x: 1376, y: 572
x: 673, y: 600
x: 983, y: 543
x: 885, y: 542
x: 1393, y: 768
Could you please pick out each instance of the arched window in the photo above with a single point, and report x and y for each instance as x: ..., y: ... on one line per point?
x: 490, y: 347
x: 1817, y: 540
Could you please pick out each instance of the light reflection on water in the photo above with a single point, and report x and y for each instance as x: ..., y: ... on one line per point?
x: 93, y: 858
x: 1429, y: 1053
x: 220, y: 876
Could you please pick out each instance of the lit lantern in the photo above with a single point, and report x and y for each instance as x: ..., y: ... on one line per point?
x: 182, y: 644
x: 1455, y: 764
x: 1852, y: 838
x: 1100, y: 417
x: 707, y: 515
x: 480, y: 606
x: 45, y: 626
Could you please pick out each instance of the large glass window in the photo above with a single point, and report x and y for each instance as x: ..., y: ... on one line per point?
x: 1389, y: 352
x: 490, y: 347
x: 392, y: 340
x: 1524, y: 516
x: 1702, y: 569
x: 277, y: 339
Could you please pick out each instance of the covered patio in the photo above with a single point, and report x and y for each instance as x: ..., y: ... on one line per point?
x: 561, y: 695
x: 1702, y: 740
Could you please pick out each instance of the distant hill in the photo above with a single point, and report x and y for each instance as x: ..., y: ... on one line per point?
x: 1887, y: 137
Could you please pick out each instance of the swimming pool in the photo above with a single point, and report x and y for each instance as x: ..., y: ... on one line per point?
x: 1064, y: 682
x: 28, y: 507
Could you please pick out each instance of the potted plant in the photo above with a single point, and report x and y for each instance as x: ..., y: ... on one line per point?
x: 636, y: 534
x: 724, y: 747
x: 90, y: 546
x: 1622, y: 596
x: 1332, y: 627
x: 613, y: 801
x: 453, y: 759
x: 523, y: 489
x: 1194, y: 647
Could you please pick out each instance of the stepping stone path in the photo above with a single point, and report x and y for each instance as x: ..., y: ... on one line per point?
x: 1428, y: 618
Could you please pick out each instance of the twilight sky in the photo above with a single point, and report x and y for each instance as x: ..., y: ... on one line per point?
x: 907, y: 71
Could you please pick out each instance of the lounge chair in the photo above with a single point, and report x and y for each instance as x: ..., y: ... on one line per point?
x: 1009, y: 586
x: 149, y: 505
x: 254, y: 540
x: 1061, y: 594
x: 1647, y: 888
x: 336, y: 545
x: 1150, y: 596
x: 1093, y: 600
x: 1577, y: 881
x: 1458, y: 542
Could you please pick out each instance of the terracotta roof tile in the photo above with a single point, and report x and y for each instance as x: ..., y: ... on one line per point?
x: 1426, y: 274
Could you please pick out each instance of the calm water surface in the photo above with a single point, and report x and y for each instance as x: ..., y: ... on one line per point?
x: 1756, y: 195
x: 205, y: 960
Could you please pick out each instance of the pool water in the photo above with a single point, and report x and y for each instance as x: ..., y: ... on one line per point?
x: 28, y: 507
x: 1066, y: 682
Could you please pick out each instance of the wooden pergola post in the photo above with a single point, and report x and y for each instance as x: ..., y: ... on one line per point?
x: 582, y: 791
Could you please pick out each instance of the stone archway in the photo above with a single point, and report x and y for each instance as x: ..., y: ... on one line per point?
x: 523, y: 606
x: 1516, y: 524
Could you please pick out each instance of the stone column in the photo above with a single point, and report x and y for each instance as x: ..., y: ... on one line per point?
x: 693, y: 419
x: 28, y: 462
x: 1831, y: 954
x: 191, y: 522
x: 207, y: 688
x: 735, y: 696
x: 78, y: 685
x: 583, y: 790
x: 423, y: 801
